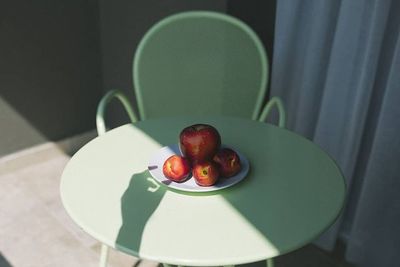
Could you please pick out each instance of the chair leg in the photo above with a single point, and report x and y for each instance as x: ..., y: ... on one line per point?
x: 104, y: 255
x: 270, y: 262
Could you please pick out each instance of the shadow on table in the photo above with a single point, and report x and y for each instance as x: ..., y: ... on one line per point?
x: 251, y: 203
x: 135, y: 213
x: 4, y: 262
x: 270, y: 209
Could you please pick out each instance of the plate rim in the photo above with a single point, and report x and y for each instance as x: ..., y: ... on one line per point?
x: 199, y: 189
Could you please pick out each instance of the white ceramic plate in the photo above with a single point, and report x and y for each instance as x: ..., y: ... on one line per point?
x: 157, y: 161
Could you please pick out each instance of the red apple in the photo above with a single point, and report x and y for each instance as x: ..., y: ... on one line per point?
x: 205, y: 173
x: 228, y: 162
x: 199, y: 142
x: 176, y: 168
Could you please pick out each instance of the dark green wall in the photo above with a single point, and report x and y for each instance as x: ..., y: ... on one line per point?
x: 50, y: 71
x: 58, y: 57
x: 260, y: 16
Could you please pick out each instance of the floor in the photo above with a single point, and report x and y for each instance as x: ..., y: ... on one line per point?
x: 35, y: 231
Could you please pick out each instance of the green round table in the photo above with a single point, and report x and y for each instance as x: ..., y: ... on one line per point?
x: 292, y: 193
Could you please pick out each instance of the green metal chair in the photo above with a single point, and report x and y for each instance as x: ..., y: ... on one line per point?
x: 198, y: 63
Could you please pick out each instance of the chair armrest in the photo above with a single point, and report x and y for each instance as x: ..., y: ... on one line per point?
x: 101, y: 127
x: 274, y: 101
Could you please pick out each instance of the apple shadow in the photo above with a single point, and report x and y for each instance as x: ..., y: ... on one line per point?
x: 134, y: 213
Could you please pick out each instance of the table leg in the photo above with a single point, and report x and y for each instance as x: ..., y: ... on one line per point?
x: 270, y: 262
x: 104, y: 255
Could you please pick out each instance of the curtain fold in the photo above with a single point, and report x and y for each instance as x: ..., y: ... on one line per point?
x: 374, y: 238
x: 336, y: 66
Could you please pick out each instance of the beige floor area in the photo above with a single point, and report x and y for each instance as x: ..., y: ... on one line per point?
x: 35, y: 231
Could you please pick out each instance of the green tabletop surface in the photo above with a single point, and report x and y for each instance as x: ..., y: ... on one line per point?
x: 292, y: 193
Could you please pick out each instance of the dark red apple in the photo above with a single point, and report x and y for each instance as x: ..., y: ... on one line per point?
x: 205, y: 173
x: 176, y: 168
x: 199, y: 142
x: 228, y: 162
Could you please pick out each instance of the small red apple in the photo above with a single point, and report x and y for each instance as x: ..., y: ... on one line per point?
x: 205, y: 173
x: 199, y: 142
x: 176, y: 168
x: 228, y: 162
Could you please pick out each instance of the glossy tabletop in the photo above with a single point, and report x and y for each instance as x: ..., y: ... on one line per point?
x: 291, y: 194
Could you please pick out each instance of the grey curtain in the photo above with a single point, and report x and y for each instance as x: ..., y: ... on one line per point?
x: 336, y: 65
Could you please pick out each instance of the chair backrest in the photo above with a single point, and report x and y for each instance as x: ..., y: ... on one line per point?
x: 200, y: 62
